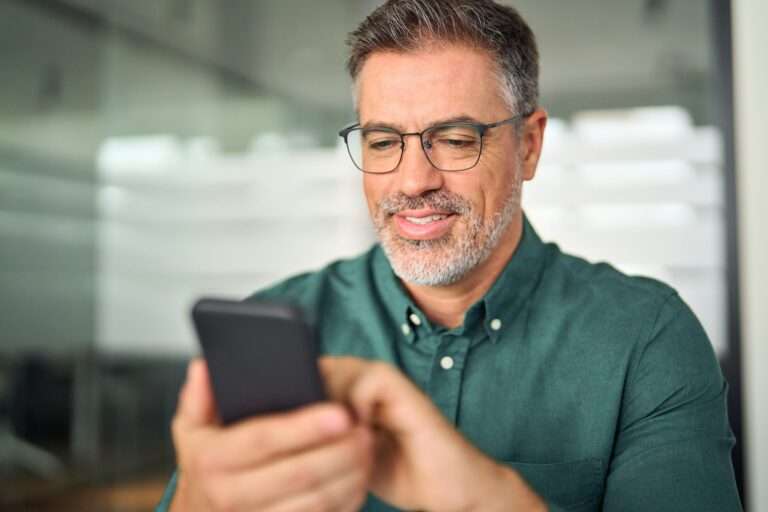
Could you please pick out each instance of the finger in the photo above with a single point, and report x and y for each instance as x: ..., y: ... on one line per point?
x: 367, y: 386
x: 385, y: 397
x: 196, y: 404
x: 326, y: 478
x: 339, y: 375
x: 346, y: 493
x: 305, y: 472
x: 258, y: 440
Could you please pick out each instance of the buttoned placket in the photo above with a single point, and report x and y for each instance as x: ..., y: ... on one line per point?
x: 451, y: 350
x: 447, y: 374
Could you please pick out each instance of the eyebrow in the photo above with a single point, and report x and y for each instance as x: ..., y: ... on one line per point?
x: 464, y: 118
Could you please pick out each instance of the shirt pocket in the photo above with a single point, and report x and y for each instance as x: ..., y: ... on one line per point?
x: 575, y: 485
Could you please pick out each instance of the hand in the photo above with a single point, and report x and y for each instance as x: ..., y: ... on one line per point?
x: 310, y: 459
x: 421, y: 461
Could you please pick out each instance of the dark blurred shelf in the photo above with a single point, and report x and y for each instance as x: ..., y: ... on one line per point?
x: 137, y: 495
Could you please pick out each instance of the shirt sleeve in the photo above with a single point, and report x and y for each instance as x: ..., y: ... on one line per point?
x: 673, y: 447
x: 170, y: 489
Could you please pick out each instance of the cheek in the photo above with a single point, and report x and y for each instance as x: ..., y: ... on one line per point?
x: 374, y: 188
x: 470, y: 187
x: 496, y: 194
x: 497, y: 183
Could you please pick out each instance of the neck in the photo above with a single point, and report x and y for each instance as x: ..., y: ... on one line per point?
x: 446, y: 305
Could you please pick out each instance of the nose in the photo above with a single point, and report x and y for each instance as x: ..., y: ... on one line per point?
x: 416, y: 174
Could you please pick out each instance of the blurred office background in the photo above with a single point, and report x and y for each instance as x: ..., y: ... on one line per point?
x: 157, y: 150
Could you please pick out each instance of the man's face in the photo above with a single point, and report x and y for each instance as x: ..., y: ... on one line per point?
x: 436, y: 226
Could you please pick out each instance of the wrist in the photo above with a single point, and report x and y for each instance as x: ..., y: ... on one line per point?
x: 506, y: 490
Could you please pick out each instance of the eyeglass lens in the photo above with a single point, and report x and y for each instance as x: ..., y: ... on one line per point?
x: 452, y: 147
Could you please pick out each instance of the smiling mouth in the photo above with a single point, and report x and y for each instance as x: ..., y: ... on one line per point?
x: 427, y: 219
x: 423, y: 225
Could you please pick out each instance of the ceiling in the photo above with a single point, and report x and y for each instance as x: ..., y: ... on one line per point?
x: 75, y: 70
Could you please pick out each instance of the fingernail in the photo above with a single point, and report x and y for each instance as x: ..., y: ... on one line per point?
x: 335, y: 421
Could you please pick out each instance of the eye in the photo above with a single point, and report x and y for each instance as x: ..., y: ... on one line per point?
x: 378, y: 141
x: 380, y: 145
x: 457, y: 143
x: 455, y: 137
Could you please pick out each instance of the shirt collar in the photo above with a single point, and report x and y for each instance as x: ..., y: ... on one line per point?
x: 497, y: 310
x: 516, y: 283
x: 395, y: 299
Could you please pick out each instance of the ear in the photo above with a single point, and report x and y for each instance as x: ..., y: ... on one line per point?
x: 532, y: 141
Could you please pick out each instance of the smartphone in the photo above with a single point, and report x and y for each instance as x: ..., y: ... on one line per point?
x: 261, y: 357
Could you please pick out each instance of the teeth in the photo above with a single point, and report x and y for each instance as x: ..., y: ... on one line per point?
x: 425, y: 220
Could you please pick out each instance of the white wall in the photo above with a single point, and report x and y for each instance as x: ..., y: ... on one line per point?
x: 642, y: 189
x: 181, y: 220
x: 751, y: 96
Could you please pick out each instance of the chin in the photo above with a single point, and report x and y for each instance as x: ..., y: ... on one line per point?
x: 437, y: 262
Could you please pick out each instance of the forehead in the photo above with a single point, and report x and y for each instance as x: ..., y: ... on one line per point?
x: 437, y: 82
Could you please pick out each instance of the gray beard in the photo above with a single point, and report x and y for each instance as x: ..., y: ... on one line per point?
x: 448, y: 259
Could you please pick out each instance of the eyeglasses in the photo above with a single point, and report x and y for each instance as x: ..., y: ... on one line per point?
x: 449, y: 147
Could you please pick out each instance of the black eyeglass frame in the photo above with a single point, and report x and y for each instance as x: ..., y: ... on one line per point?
x: 481, y: 128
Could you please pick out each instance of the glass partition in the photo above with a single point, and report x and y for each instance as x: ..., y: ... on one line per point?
x: 155, y: 151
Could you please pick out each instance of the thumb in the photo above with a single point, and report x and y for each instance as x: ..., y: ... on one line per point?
x: 339, y: 375
x: 196, y: 404
x: 387, y: 398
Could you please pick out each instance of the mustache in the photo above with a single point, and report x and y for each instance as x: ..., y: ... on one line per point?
x: 441, y: 200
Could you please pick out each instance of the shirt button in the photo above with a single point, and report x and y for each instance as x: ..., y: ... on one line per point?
x: 495, y: 324
x: 406, y: 329
x: 446, y: 362
x: 415, y: 319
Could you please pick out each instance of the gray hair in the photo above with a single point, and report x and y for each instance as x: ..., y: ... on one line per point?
x: 408, y: 25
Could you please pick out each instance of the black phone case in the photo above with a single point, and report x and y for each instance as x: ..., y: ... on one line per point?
x: 261, y: 357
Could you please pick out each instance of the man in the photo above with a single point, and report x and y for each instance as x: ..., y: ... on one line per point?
x: 514, y: 377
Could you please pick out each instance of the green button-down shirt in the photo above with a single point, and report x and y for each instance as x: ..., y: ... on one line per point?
x: 602, y: 390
